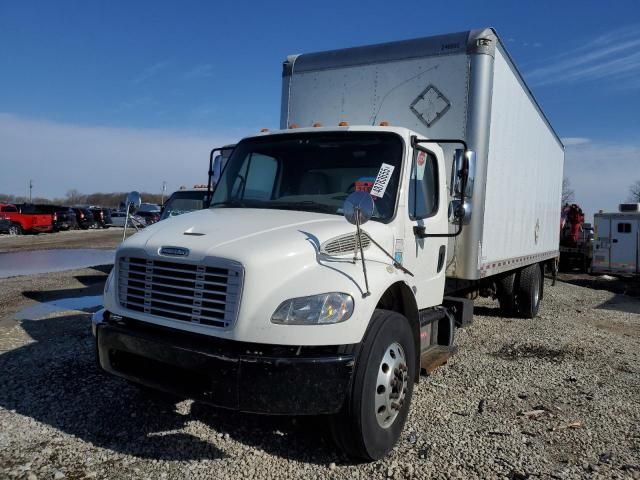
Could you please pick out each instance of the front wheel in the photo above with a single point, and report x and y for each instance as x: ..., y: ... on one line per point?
x: 15, y: 229
x: 377, y: 405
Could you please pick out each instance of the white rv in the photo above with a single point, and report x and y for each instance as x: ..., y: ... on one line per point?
x: 616, y: 247
x: 449, y: 176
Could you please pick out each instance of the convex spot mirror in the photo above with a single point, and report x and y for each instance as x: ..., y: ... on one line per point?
x: 358, y: 208
x: 463, y: 161
x: 133, y: 201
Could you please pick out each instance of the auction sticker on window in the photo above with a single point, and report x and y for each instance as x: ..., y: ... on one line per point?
x: 382, y: 180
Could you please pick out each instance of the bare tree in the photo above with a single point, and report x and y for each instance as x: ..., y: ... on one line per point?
x: 634, y: 192
x: 567, y: 192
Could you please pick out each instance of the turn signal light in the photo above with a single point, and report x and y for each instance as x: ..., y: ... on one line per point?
x: 343, y: 124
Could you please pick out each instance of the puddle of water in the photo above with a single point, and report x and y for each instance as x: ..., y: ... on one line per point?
x: 46, y: 261
x: 42, y: 310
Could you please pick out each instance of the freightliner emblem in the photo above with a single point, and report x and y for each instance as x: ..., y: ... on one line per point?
x: 174, y: 251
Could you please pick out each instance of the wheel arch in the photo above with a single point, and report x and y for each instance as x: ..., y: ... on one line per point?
x: 399, y: 297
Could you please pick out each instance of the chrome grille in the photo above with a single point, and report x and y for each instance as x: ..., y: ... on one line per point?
x: 205, y: 294
x: 344, y: 244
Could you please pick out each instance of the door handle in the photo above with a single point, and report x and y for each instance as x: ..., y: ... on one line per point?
x: 615, y: 240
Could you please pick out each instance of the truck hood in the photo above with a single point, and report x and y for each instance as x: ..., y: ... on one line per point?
x: 249, y: 235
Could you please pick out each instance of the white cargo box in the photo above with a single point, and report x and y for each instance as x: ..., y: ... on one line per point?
x: 458, y: 86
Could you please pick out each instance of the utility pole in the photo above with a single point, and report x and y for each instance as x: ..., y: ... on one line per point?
x: 164, y: 189
x: 30, y: 189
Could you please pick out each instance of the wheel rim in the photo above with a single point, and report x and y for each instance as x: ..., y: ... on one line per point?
x: 13, y: 230
x: 391, y: 386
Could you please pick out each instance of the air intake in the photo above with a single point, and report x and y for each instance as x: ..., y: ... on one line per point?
x: 345, y: 244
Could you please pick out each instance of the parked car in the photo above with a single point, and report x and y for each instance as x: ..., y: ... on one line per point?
x: 84, y: 217
x: 25, y: 222
x: 118, y: 218
x: 62, y: 218
x: 101, y: 217
x: 149, y: 217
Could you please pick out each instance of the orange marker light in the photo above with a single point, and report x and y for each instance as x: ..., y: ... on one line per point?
x: 262, y: 130
x: 384, y: 124
x: 293, y: 125
x: 316, y: 125
x: 343, y: 124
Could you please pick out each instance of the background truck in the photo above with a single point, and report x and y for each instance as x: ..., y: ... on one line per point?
x: 616, y: 246
x: 25, y: 222
x: 576, y: 239
x: 188, y: 200
x: 449, y: 176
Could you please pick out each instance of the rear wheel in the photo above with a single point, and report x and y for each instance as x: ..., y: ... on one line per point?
x: 377, y: 405
x: 506, y: 292
x: 529, y: 291
x: 15, y: 229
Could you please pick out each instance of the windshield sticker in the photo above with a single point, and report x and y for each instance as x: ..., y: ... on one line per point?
x: 421, y: 161
x: 382, y: 180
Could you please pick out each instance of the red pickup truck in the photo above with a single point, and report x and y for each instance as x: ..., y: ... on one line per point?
x: 24, y: 222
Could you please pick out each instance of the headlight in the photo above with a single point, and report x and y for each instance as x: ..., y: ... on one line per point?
x: 314, y: 310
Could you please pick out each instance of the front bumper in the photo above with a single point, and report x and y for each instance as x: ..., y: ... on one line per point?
x: 241, y: 376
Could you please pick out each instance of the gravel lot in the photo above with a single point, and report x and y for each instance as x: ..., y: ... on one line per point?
x: 576, y: 367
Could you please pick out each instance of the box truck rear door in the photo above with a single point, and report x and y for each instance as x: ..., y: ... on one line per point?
x: 624, y: 245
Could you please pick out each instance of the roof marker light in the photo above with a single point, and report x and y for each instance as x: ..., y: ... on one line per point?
x: 293, y: 125
x: 317, y: 124
x: 343, y: 124
x: 384, y: 124
x: 262, y: 130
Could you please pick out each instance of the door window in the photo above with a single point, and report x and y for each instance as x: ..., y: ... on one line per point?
x: 423, y: 188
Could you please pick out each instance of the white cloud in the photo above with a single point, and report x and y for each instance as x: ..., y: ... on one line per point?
x: 570, y: 141
x: 59, y: 157
x: 601, y: 174
x: 613, y: 56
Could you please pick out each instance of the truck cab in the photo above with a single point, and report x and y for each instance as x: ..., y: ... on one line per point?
x: 285, y: 292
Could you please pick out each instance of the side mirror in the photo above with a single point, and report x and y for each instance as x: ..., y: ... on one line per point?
x: 133, y: 201
x: 358, y: 208
x: 464, y: 167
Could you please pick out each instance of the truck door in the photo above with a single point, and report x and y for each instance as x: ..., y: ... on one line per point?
x: 427, y: 207
x: 602, y: 244
x: 624, y: 245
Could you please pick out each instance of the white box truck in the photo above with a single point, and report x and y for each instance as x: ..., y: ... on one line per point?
x: 270, y: 302
x: 616, y: 246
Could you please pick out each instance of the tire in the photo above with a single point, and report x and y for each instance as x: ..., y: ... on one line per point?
x: 367, y: 427
x: 506, y: 292
x: 15, y: 229
x: 529, y: 290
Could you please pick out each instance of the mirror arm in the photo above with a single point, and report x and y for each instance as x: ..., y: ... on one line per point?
x: 399, y: 266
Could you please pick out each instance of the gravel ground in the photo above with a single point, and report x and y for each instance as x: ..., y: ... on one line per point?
x: 554, y: 397
x: 94, y: 238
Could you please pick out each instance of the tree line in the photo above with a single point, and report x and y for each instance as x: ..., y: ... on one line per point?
x: 75, y: 197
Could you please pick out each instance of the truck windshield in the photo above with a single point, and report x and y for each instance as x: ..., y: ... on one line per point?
x: 183, y: 202
x: 311, y: 172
